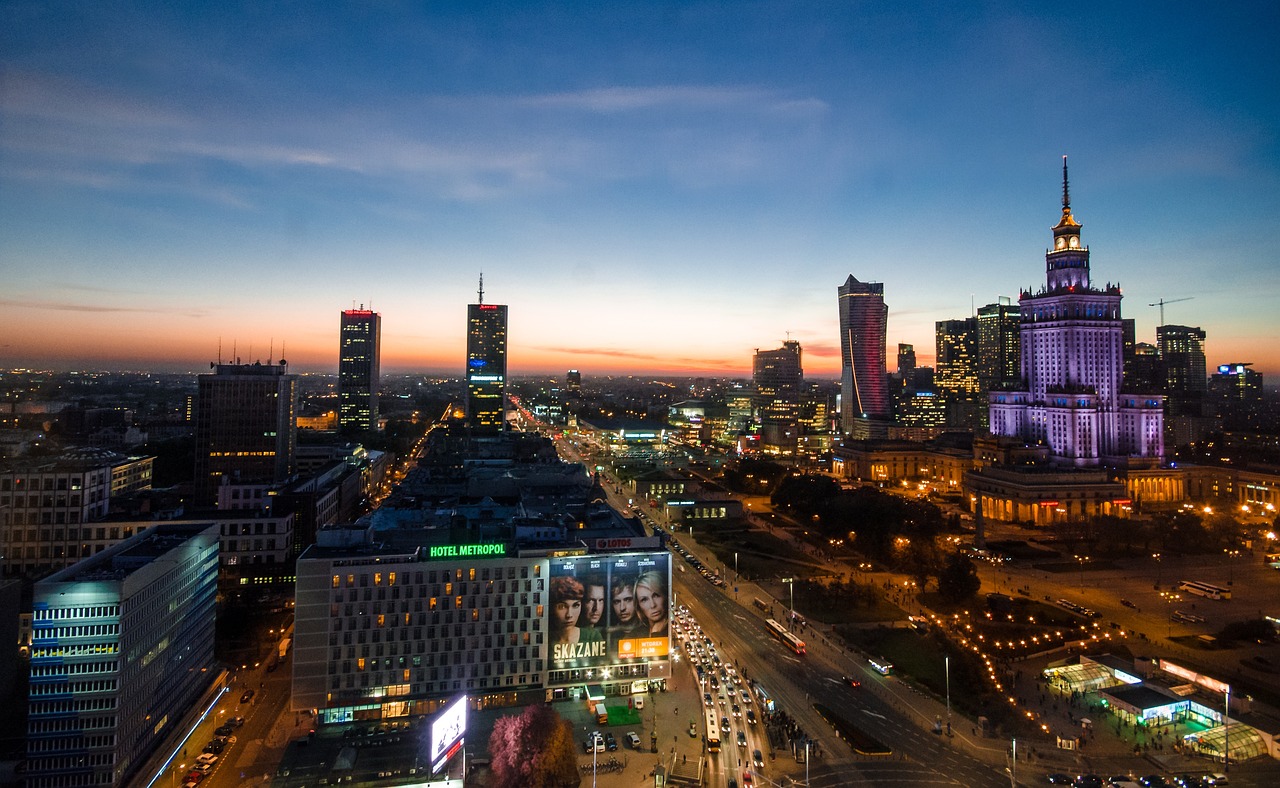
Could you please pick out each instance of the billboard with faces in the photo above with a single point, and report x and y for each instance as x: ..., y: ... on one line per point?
x: 606, y: 609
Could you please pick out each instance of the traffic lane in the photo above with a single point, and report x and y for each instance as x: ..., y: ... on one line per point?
x: 796, y: 683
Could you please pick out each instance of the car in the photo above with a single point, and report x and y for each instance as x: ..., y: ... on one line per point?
x: 247, y: 696
x: 757, y: 759
x: 742, y: 740
x: 1153, y: 781
x: 737, y: 711
x: 214, y: 747
x: 224, y: 729
x: 733, y: 783
x: 1057, y: 778
x: 693, y: 730
x: 633, y: 740
x: 724, y: 725
x: 746, y: 779
x: 610, y: 743
x: 207, y: 757
x: 594, y: 742
x: 1089, y: 781
x: 706, y: 698
x: 1127, y: 603
x: 751, y: 716
x: 851, y: 681
x: 746, y: 697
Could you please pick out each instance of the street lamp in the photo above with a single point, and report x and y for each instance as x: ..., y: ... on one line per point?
x: 1231, y: 565
x: 1156, y: 556
x: 1082, y: 559
x: 948, y: 667
x: 791, y: 583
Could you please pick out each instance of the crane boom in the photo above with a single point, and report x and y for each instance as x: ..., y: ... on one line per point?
x: 1162, y: 302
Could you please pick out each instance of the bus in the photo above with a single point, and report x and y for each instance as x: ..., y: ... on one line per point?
x: 786, y: 638
x: 883, y: 667
x: 1206, y: 590
x: 713, y: 732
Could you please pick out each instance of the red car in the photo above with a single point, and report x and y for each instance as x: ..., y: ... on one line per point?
x: 852, y: 682
x: 746, y: 778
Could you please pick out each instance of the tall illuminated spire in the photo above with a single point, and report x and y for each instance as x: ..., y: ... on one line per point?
x: 480, y: 294
x: 1066, y: 194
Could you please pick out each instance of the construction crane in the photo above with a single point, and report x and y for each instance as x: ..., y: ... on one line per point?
x: 1162, y: 302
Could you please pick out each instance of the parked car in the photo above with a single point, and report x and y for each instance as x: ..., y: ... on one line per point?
x: 610, y: 743
x: 247, y: 696
x: 633, y: 740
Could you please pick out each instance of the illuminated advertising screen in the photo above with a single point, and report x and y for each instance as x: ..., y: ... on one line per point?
x: 605, y: 609
x: 447, y: 730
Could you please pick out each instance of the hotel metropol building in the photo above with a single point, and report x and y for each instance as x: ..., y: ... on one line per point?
x: 382, y: 633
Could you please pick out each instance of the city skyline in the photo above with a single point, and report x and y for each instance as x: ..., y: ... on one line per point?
x: 653, y: 190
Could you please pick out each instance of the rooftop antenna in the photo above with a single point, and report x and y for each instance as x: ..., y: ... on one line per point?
x: 219, y: 350
x: 481, y: 293
x: 271, y: 351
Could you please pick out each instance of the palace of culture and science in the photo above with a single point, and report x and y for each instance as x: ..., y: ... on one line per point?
x: 1072, y: 398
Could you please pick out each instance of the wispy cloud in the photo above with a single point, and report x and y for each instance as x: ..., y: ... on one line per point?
x: 65, y: 306
x: 703, y: 98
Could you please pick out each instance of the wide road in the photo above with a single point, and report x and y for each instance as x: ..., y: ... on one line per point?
x: 796, y: 683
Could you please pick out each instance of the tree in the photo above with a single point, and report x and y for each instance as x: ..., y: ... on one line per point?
x: 533, y: 749
x: 958, y: 580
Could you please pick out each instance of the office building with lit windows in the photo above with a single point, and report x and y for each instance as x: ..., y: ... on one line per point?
x: 1182, y: 360
x: 245, y: 427
x: 359, y: 345
x: 384, y: 632
x: 778, y: 376
x: 864, y: 323
x: 486, y: 365
x: 1073, y: 367
x: 121, y: 647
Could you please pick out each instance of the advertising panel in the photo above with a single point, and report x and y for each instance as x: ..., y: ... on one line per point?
x: 604, y: 609
x: 447, y: 730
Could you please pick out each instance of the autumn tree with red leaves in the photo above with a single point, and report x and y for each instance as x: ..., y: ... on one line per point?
x: 534, y: 750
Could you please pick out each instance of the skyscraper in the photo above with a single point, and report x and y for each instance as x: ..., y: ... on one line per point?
x: 1073, y: 365
x: 360, y: 340
x: 1185, y: 374
x: 999, y: 346
x: 956, y: 368
x: 246, y: 426
x: 864, y: 324
x: 778, y: 376
x: 486, y: 365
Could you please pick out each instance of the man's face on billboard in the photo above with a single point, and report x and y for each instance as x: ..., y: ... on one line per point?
x: 624, y: 604
x: 594, y: 604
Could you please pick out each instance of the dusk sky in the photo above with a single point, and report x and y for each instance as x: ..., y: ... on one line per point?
x: 652, y: 188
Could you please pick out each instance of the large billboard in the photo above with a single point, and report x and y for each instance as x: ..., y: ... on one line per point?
x: 604, y: 609
x: 447, y: 729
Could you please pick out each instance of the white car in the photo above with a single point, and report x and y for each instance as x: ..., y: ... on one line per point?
x: 207, y: 757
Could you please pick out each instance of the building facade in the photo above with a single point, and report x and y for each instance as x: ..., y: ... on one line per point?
x: 1073, y: 366
x: 245, y: 426
x: 864, y: 325
x: 778, y: 376
x: 486, y: 365
x: 383, y: 633
x: 51, y: 508
x: 121, y: 647
x: 359, y: 359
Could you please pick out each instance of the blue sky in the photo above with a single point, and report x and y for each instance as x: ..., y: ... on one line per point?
x: 651, y: 187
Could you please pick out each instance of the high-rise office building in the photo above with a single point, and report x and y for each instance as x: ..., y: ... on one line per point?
x: 1073, y: 365
x: 486, y: 365
x: 359, y: 346
x: 573, y: 381
x: 778, y: 376
x: 956, y: 368
x: 246, y: 426
x: 121, y: 647
x: 906, y: 362
x: 1185, y: 373
x: 999, y: 346
x: 1235, y: 395
x: 864, y: 324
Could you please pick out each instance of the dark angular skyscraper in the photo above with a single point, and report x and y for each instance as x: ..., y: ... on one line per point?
x: 359, y: 345
x: 486, y: 365
x: 246, y: 426
x: 864, y: 324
